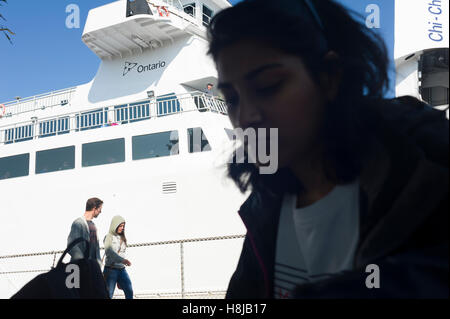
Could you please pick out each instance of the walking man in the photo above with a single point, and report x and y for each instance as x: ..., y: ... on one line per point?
x: 84, y: 227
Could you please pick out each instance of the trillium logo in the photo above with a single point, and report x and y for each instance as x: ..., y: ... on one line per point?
x: 128, y: 67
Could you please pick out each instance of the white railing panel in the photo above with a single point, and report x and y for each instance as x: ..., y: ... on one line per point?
x: 114, y: 115
x: 38, y: 102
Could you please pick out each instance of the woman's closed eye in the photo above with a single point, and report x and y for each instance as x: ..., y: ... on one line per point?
x: 269, y: 89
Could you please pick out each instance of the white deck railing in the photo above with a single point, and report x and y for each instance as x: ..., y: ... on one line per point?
x: 110, y: 116
x: 177, y: 8
x: 39, y: 102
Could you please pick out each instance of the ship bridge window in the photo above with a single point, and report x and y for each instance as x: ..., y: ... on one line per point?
x: 155, y: 145
x: 14, y: 166
x: 435, y: 96
x: 207, y: 15
x: 190, y: 9
x: 197, y: 141
x: 58, y: 159
x: 105, y: 152
x: 138, y: 7
x: 168, y: 104
x: 433, y: 70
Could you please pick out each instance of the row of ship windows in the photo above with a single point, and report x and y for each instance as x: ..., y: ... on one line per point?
x: 104, y: 152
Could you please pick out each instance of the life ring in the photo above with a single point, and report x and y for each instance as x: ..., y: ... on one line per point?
x: 2, y: 110
x: 163, y: 11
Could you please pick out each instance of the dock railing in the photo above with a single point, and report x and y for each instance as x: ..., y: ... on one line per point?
x: 181, y: 294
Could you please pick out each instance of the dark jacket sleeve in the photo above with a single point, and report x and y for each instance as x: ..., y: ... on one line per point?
x: 426, y: 127
x: 247, y: 280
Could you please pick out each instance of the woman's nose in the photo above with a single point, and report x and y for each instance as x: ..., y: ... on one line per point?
x: 249, y: 113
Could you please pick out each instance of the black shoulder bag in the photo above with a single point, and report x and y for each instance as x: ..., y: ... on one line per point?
x: 80, y: 279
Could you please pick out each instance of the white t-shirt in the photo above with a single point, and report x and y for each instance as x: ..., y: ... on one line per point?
x: 316, y: 241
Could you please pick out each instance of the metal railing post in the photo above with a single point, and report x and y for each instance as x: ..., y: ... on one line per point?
x: 182, y: 269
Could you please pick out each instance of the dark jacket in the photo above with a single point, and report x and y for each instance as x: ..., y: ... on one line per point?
x: 403, y: 214
x: 80, y: 229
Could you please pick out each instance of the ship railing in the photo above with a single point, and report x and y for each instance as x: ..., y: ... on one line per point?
x: 111, y: 116
x: 182, y: 293
x: 180, y: 10
x: 174, y: 3
x: 39, y: 102
x: 192, y: 11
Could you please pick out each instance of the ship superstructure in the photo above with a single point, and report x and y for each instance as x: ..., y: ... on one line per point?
x: 144, y: 137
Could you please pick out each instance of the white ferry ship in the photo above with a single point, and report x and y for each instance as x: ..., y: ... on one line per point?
x: 145, y: 137
x: 142, y: 136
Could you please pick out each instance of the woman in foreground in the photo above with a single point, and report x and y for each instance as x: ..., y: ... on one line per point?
x: 358, y: 207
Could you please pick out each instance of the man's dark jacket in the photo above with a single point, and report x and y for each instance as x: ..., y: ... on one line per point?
x: 403, y: 214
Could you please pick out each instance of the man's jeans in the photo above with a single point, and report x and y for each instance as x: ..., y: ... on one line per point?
x: 115, y: 276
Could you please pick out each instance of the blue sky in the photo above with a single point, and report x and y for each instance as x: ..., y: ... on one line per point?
x: 47, y: 56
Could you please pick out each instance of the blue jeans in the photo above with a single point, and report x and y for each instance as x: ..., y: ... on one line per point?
x: 115, y: 276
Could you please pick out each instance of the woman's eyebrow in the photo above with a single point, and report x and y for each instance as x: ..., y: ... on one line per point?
x: 261, y: 69
x: 252, y: 74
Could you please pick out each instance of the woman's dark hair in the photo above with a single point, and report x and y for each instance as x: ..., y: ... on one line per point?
x: 310, y: 31
x: 122, y: 236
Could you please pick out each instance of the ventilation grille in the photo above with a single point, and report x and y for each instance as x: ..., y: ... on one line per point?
x: 169, y: 188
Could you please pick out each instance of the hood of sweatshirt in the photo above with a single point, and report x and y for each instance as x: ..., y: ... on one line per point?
x: 116, y: 221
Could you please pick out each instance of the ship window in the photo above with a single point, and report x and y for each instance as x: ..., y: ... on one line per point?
x: 197, y: 141
x: 190, y: 8
x: 58, y: 159
x: 155, y: 145
x: 207, y: 15
x: 435, y: 96
x: 105, y: 152
x: 14, y: 166
x: 138, y: 7
x: 168, y: 104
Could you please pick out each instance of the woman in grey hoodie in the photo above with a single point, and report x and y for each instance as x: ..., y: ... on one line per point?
x: 115, y: 247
